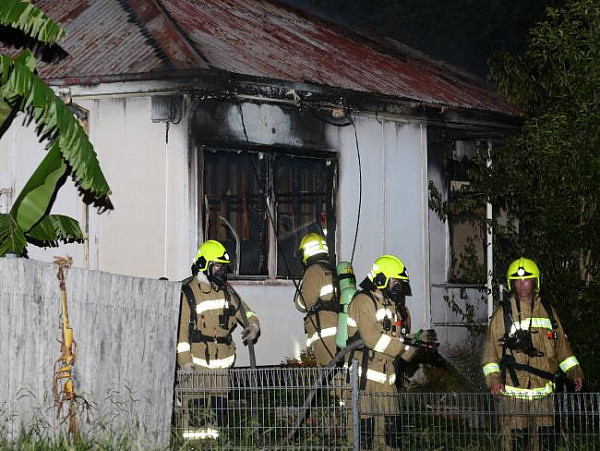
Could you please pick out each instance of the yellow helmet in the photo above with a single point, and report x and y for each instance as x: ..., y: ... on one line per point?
x: 523, y: 268
x: 385, y: 268
x: 210, y: 251
x: 312, y: 244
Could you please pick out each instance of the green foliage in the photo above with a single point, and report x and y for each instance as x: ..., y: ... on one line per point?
x: 69, y: 149
x: 546, y: 178
x: 26, y: 17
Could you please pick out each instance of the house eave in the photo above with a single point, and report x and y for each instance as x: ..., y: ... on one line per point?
x: 210, y: 83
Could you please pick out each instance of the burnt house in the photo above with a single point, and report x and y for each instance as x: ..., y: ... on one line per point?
x: 252, y: 122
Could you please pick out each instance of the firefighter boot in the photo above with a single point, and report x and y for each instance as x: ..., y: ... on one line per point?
x: 547, y: 438
x: 392, y: 432
x: 520, y: 439
x: 197, y: 412
x: 219, y: 407
x: 366, y: 433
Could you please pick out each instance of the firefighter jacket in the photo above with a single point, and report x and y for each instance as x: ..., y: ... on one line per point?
x: 381, y: 325
x: 318, y: 301
x: 207, y: 342
x: 554, y: 350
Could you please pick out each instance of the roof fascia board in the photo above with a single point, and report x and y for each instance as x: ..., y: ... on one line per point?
x: 224, y: 85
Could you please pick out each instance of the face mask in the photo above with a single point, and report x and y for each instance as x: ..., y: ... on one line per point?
x: 398, y: 293
x: 218, y: 277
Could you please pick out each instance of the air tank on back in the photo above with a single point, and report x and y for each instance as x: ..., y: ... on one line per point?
x: 347, y: 284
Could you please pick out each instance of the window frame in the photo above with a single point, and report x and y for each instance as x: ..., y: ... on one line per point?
x: 332, y: 158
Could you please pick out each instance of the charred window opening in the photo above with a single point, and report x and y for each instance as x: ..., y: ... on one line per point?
x: 252, y: 199
x: 466, y: 223
x: 305, y: 203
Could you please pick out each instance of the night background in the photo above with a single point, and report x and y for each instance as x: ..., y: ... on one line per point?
x: 462, y: 32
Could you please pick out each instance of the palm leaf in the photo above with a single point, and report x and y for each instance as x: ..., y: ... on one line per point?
x: 53, y: 229
x: 26, y: 17
x: 37, y: 196
x: 22, y: 89
x: 7, y: 115
x: 12, y: 237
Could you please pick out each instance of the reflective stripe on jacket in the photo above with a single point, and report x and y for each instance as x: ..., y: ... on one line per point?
x: 557, y: 354
x: 318, y: 286
x: 366, y: 316
x: 210, y: 304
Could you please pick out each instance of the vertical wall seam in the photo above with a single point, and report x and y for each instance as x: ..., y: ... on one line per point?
x: 425, y: 226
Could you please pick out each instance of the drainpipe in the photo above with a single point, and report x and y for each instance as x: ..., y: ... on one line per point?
x: 166, y: 224
x: 489, y: 242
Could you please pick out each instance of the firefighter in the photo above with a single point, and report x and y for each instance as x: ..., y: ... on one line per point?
x: 526, y: 350
x: 317, y: 298
x: 210, y: 311
x: 378, y: 314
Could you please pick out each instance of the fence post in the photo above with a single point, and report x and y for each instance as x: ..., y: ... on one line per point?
x: 355, y: 405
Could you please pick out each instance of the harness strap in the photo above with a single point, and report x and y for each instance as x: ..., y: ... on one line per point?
x: 195, y: 336
x: 198, y: 337
x: 362, y: 348
x: 364, y: 367
x: 550, y: 313
x: 191, y: 300
x: 320, y: 305
x: 503, y: 367
x: 509, y: 362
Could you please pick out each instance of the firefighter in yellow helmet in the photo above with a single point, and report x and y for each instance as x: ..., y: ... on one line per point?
x: 378, y: 314
x: 317, y: 298
x: 210, y: 311
x: 525, y: 351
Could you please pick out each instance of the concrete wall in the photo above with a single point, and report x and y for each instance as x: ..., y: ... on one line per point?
x: 125, y: 329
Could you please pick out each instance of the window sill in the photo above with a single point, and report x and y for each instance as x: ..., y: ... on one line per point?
x: 459, y: 285
x: 264, y: 282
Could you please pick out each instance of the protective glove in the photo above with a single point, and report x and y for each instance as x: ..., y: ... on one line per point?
x: 429, y: 335
x: 408, y: 353
x: 250, y: 333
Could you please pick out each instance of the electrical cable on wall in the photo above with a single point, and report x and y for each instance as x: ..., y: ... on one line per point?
x: 359, y: 191
x: 272, y: 221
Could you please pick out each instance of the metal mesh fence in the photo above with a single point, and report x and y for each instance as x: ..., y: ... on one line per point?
x: 287, y: 408
x: 322, y: 408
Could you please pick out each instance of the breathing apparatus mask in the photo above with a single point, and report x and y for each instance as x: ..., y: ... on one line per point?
x: 218, y: 276
x: 397, y: 294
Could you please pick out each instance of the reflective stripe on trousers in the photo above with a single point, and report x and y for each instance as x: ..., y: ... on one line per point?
x: 529, y: 393
x: 376, y: 376
x: 200, y: 434
x: 215, y: 364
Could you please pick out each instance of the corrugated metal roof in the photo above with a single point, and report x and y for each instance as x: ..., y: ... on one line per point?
x: 101, y: 39
x: 260, y: 38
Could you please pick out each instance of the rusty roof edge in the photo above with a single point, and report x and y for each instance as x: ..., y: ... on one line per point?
x: 380, y: 43
x: 215, y: 81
